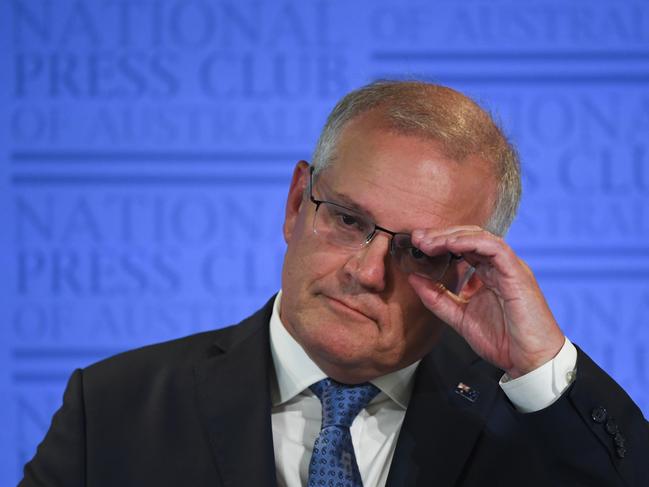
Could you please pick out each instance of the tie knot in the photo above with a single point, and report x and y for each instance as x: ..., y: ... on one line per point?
x: 341, y: 403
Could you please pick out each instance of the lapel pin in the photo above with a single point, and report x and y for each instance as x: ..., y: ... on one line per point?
x: 467, y: 392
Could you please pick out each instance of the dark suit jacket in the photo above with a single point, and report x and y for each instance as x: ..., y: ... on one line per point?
x: 196, y: 412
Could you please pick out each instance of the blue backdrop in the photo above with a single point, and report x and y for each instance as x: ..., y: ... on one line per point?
x: 147, y: 146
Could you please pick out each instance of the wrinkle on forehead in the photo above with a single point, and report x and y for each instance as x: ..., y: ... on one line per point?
x: 424, y: 189
x: 401, y: 198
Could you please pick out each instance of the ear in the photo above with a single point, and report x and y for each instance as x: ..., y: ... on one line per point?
x: 295, y: 198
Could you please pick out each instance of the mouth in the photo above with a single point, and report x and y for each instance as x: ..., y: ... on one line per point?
x: 345, y: 307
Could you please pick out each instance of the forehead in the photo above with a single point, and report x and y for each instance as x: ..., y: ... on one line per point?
x: 405, y: 181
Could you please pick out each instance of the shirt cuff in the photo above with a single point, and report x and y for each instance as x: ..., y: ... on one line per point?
x: 538, y: 389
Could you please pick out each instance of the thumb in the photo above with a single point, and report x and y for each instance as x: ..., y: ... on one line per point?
x: 440, y: 301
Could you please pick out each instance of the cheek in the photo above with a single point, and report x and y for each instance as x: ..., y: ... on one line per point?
x: 307, y: 260
x: 299, y: 246
x: 404, y: 308
x: 409, y: 312
x: 414, y: 312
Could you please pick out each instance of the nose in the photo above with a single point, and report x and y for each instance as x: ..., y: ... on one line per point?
x: 367, y: 266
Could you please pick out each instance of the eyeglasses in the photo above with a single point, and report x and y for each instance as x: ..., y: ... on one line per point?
x: 351, y: 229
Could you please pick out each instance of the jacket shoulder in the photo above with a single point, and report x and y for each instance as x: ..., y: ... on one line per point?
x: 175, y: 356
x: 176, y: 351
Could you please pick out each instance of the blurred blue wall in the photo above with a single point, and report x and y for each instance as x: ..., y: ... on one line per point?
x: 147, y: 146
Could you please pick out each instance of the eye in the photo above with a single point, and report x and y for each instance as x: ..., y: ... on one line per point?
x: 347, y: 220
x: 415, y: 253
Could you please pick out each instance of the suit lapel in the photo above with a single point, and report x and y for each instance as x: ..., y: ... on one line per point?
x: 441, y: 426
x: 233, y: 397
x: 438, y: 434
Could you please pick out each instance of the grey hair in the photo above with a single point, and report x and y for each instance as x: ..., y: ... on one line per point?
x: 452, y: 119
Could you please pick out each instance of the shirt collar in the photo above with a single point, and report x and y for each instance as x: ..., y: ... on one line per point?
x: 295, y: 371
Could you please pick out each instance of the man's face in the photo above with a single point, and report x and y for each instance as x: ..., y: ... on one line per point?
x: 353, y: 311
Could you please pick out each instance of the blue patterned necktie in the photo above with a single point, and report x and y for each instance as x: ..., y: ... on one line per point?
x: 333, y: 463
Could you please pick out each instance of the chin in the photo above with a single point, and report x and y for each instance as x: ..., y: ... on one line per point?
x: 340, y: 343
x: 353, y: 356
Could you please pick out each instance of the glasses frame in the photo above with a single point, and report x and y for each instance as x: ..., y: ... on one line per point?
x: 376, y: 228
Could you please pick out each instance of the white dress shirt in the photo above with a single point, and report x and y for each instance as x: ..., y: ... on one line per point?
x: 297, y: 412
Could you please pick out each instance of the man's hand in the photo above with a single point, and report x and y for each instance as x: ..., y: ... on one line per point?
x: 501, y: 313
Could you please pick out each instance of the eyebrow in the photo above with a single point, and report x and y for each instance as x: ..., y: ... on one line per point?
x: 344, y: 200
x: 350, y: 203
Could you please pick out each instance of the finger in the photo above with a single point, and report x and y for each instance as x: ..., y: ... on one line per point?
x: 428, y: 233
x: 494, y: 261
x: 438, y: 240
x: 440, y: 301
x: 475, y: 246
x: 435, y: 241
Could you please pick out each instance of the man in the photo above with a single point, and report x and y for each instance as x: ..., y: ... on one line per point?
x: 399, y: 296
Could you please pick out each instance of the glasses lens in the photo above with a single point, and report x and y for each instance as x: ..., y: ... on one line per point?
x: 412, y: 260
x: 342, y: 226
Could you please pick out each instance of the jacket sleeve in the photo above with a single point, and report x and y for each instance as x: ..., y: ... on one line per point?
x: 60, y: 458
x: 595, y: 432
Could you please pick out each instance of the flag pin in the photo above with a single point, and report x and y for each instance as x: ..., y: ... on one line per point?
x: 466, y: 392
